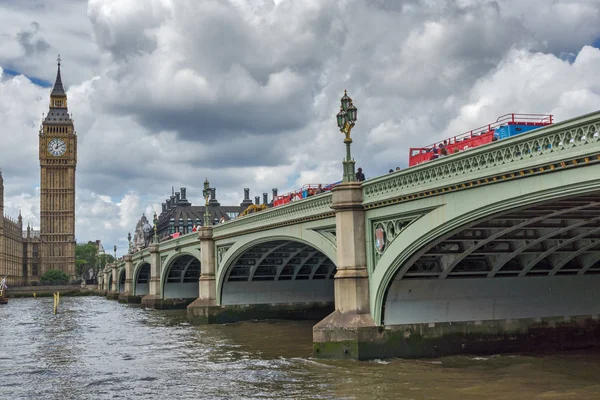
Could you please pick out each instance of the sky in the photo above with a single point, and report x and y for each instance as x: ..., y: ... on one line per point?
x: 166, y: 93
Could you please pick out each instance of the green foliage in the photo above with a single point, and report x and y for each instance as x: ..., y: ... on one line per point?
x: 87, y: 257
x: 54, y: 276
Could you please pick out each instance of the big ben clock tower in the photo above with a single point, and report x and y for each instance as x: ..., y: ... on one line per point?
x: 58, y: 158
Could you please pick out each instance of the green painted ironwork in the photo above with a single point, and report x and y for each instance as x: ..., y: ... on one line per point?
x: 463, y: 208
x: 309, y: 207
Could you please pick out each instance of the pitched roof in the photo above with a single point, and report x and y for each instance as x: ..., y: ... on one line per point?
x: 58, y: 89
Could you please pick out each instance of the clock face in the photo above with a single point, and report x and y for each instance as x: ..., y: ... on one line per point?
x: 57, y: 147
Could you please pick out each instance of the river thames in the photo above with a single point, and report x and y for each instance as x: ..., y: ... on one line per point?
x: 99, y: 349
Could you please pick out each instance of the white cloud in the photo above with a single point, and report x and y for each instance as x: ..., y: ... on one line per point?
x: 534, y: 83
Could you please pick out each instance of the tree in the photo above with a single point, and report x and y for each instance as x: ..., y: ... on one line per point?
x: 55, y: 277
x: 87, y: 257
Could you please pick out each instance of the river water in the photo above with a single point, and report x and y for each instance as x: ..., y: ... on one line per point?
x: 99, y: 349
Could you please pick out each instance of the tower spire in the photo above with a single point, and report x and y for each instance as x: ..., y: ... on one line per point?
x: 58, y: 89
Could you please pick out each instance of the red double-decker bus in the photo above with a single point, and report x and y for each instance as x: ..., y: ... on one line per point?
x: 505, y: 126
x: 302, y: 193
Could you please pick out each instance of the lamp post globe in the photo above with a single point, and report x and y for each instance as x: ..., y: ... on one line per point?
x: 341, y: 119
x: 352, y: 111
x: 346, y: 101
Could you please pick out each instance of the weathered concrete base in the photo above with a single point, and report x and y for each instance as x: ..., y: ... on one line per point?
x: 203, y: 312
x: 112, y: 295
x: 155, y: 302
x: 341, y: 336
x: 345, y: 336
x: 127, y: 298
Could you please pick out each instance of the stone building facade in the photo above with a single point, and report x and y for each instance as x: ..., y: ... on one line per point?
x: 178, y: 215
x: 32, y: 255
x: 11, y: 244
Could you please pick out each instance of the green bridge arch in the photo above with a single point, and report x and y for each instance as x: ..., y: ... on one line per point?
x: 306, y: 235
x: 441, y: 216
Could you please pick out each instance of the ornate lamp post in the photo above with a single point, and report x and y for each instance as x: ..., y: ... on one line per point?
x: 346, y: 119
x: 101, y: 258
x: 130, y: 244
x: 155, y: 221
x: 206, y: 194
x: 115, y: 249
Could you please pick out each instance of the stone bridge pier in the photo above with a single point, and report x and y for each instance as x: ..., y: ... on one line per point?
x: 343, y: 333
x: 205, y: 309
x: 128, y: 296
x: 112, y: 282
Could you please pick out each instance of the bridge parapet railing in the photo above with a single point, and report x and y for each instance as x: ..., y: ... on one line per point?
x: 301, y: 209
x: 184, y: 240
x: 140, y: 255
x: 577, y: 137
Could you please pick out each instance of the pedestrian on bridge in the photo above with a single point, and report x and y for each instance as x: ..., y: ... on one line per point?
x: 360, y: 176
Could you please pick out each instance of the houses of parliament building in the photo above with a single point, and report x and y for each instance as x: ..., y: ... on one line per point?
x: 25, y: 254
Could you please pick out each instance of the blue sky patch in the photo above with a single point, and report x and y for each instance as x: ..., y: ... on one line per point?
x: 37, y: 81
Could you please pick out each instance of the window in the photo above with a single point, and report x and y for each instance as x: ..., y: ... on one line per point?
x: 58, y: 103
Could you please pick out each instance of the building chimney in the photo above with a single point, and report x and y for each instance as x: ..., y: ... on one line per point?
x: 183, y: 201
x: 213, y: 198
x: 257, y: 200
x: 177, y: 197
x: 164, y: 207
x: 265, y: 198
x: 274, y: 193
x: 246, y: 202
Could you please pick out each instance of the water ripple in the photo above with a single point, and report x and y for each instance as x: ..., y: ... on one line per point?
x: 99, y: 349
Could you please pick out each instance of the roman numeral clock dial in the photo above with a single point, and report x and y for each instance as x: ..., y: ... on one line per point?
x: 57, y: 147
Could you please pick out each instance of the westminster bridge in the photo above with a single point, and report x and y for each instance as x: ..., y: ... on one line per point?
x: 488, y: 250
